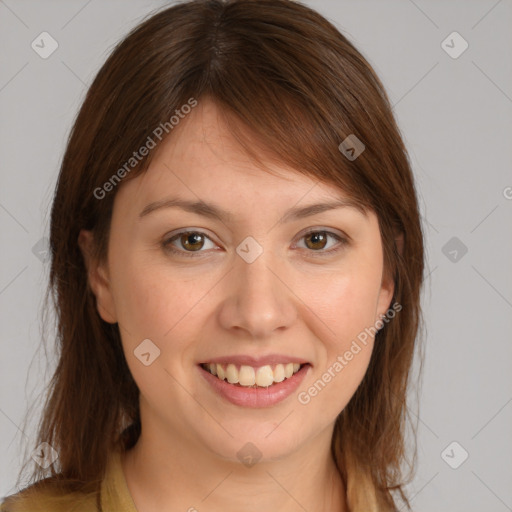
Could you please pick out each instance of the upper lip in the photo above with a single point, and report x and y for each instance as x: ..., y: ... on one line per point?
x: 256, y: 362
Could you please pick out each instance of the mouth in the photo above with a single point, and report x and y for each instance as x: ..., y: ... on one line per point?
x: 246, y: 376
x: 252, y: 382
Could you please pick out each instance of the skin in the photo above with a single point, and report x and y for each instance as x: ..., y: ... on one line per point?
x: 290, y: 300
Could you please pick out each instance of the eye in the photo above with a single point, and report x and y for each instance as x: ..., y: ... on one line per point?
x: 317, y: 240
x: 190, y: 241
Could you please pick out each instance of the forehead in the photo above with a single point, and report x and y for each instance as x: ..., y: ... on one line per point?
x: 202, y: 158
x: 204, y: 141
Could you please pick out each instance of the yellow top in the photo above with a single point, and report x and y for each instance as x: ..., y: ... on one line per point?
x: 114, y: 496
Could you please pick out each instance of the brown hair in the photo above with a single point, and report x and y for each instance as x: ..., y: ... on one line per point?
x: 281, y: 70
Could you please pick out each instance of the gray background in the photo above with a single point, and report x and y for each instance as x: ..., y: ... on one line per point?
x: 455, y: 116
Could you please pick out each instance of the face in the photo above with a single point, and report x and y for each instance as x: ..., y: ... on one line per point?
x: 246, y: 285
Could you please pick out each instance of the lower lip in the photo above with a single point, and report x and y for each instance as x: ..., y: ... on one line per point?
x: 255, y: 397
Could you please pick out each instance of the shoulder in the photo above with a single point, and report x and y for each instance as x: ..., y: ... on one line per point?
x: 56, y: 494
x: 35, y: 499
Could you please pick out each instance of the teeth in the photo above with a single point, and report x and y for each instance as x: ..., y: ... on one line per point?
x: 246, y: 376
x: 232, y: 374
x: 263, y: 376
x: 279, y: 375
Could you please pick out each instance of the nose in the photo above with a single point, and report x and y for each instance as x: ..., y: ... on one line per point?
x: 259, y: 299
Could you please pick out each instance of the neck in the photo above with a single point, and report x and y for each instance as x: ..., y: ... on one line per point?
x: 181, y: 476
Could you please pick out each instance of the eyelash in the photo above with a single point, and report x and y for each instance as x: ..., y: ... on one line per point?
x: 342, y: 242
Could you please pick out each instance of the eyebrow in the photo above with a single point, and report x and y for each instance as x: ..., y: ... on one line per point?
x: 214, y: 212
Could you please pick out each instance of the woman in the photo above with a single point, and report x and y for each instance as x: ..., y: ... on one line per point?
x: 237, y: 260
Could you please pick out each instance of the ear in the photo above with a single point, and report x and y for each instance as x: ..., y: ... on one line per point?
x: 98, y: 278
x: 387, y: 288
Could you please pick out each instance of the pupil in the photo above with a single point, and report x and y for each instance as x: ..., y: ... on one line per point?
x: 196, y: 239
x: 318, y: 237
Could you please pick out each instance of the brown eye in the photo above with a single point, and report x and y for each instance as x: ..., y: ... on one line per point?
x: 322, y: 243
x: 188, y: 243
x: 318, y: 240
x: 192, y: 241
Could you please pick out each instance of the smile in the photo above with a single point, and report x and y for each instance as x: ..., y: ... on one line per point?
x: 254, y: 382
x: 250, y: 376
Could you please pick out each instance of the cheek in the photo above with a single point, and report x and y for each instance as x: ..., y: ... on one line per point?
x: 152, y: 304
x: 347, y: 302
x: 347, y: 306
x: 164, y: 305
x: 139, y: 302
x: 344, y: 353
